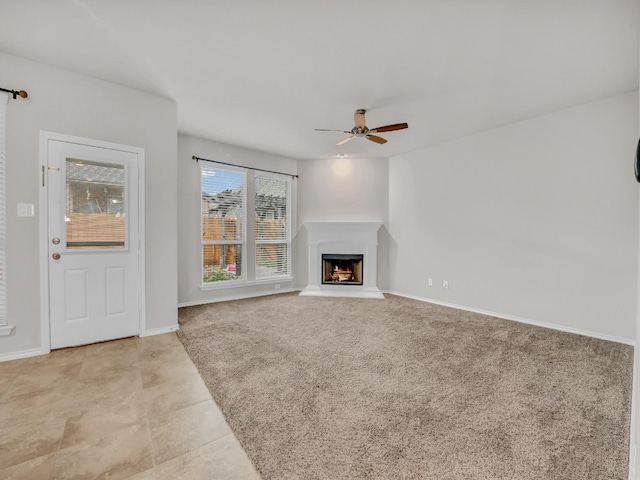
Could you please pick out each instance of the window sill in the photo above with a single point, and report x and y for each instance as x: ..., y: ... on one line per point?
x: 244, y: 283
x: 5, y: 330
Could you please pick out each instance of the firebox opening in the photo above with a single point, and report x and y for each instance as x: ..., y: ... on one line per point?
x: 342, y: 269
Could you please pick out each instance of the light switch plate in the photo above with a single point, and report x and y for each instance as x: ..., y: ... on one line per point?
x: 26, y: 210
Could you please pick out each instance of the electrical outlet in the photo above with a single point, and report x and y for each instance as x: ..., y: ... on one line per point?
x: 445, y: 284
x: 277, y: 286
x: 430, y: 282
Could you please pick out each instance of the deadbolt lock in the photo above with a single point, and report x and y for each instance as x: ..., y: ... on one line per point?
x: 56, y: 256
x: 55, y: 240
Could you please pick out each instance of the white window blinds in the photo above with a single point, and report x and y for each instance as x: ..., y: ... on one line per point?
x: 4, y: 99
x: 273, y: 226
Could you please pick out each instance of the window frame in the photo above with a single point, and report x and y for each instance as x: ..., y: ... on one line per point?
x: 5, y: 328
x: 249, y: 244
x: 242, y: 243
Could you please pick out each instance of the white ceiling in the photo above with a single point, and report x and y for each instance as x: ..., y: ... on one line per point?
x: 265, y: 73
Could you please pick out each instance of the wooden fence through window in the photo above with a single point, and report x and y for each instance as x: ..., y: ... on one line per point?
x: 224, y: 228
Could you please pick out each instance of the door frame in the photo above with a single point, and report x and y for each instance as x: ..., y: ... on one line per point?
x: 45, y: 137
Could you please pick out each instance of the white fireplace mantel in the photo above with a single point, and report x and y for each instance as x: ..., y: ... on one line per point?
x: 352, y: 238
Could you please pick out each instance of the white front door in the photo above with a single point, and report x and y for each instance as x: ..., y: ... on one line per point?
x: 93, y: 243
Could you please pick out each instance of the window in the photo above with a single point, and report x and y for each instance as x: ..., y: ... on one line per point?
x: 95, y: 196
x: 4, y: 98
x: 223, y: 225
x: 245, y: 215
x: 273, y: 226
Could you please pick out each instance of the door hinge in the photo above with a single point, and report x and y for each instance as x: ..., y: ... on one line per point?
x: 55, y: 169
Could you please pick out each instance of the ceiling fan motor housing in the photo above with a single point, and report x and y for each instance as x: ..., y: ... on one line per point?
x: 360, y: 131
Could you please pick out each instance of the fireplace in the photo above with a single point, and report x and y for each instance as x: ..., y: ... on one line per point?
x: 334, y: 270
x: 340, y: 269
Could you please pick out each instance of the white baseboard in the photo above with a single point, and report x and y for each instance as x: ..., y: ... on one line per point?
x: 503, y: 316
x: 236, y: 297
x: 160, y: 331
x: 34, y: 352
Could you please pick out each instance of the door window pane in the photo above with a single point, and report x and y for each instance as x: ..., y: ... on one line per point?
x: 95, y: 204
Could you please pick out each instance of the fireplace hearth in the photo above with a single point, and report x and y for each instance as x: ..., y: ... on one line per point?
x: 340, y: 269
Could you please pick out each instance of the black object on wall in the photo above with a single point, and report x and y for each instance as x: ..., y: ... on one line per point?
x: 635, y: 163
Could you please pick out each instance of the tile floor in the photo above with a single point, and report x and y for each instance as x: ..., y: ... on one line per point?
x: 133, y: 408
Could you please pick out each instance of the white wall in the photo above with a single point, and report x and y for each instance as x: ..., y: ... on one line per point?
x: 64, y: 102
x: 189, y: 204
x: 537, y: 220
x: 343, y: 190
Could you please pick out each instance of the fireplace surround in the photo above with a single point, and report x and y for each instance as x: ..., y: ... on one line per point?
x: 342, y: 259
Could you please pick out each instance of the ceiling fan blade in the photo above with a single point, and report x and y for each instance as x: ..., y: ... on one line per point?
x: 330, y: 130
x: 376, y: 139
x: 390, y: 128
x: 358, y: 118
x: 342, y: 142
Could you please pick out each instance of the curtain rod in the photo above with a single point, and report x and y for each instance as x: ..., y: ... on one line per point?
x: 16, y: 93
x: 197, y: 159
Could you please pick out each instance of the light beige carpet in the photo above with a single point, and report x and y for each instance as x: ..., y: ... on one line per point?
x: 339, y: 389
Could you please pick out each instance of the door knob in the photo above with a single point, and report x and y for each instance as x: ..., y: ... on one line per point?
x: 56, y: 256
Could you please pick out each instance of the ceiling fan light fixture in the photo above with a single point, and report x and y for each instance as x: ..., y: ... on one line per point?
x: 360, y: 130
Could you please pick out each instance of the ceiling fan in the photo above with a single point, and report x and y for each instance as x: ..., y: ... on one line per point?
x: 361, y: 130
